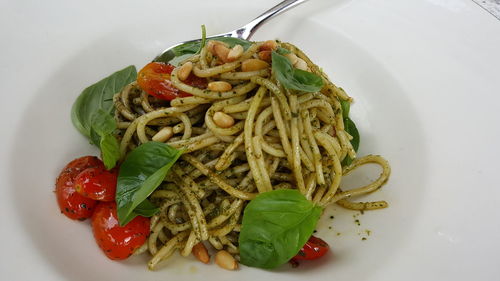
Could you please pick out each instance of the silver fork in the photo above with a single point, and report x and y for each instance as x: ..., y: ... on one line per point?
x: 245, y: 32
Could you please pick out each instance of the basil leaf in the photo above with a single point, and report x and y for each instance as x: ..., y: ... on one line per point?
x: 103, y: 126
x: 276, y: 225
x: 110, y: 150
x: 350, y: 128
x: 282, y: 51
x: 99, y: 96
x: 345, y: 105
x: 140, y: 174
x: 145, y: 209
x: 293, y: 78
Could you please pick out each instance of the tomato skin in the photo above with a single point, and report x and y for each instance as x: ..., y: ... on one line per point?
x: 97, y: 183
x: 154, y: 79
x: 314, y: 248
x: 117, y: 242
x: 72, y: 204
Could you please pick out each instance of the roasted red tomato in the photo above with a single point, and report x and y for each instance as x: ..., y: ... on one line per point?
x: 154, y: 79
x: 72, y: 204
x: 314, y: 248
x: 97, y: 183
x: 117, y: 242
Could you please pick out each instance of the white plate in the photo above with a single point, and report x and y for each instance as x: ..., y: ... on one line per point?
x: 424, y: 75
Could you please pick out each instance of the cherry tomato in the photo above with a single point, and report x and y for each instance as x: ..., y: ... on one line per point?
x: 117, y: 242
x: 154, y: 79
x: 314, y: 248
x: 97, y: 183
x: 72, y: 204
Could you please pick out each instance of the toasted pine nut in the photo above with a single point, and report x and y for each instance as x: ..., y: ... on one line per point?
x: 301, y: 64
x: 221, y: 51
x: 219, y: 86
x: 225, y: 260
x: 164, y: 134
x: 253, y: 64
x: 292, y: 58
x: 235, y: 53
x: 201, y: 253
x: 212, y: 43
x: 185, y: 70
x: 223, y: 120
x: 265, y: 55
x: 269, y: 45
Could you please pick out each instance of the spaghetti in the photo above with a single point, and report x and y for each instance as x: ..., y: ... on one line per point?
x: 280, y: 139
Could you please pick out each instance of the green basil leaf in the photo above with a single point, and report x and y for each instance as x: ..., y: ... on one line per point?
x: 293, y: 78
x: 276, y: 225
x: 282, y: 51
x: 140, y: 174
x: 345, y: 105
x: 110, y: 150
x: 99, y: 96
x: 231, y: 41
x: 350, y: 128
x: 145, y: 209
x: 103, y: 126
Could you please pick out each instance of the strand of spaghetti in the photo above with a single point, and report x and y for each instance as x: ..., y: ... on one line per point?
x: 324, y: 140
x: 127, y: 136
x: 207, y: 94
x: 171, y: 224
x: 310, y: 185
x: 362, y: 206
x: 121, y: 108
x: 200, y: 144
x: 145, y: 102
x: 384, y: 175
x: 153, y: 236
x: 225, y: 159
x: 261, y: 165
x: 277, y: 93
x: 245, y: 105
x: 314, y: 147
x: 209, y: 122
x: 235, y: 205
x: 167, y: 250
x: 323, y: 104
x: 192, y: 207
x: 280, y: 124
x: 217, y: 179
x: 144, y: 119
x: 244, y: 75
x: 125, y: 93
x: 304, y: 145
x: 203, y: 58
x: 188, y: 101
x: 260, y: 181
x: 188, y: 247
x: 233, y: 220
x: 294, y: 130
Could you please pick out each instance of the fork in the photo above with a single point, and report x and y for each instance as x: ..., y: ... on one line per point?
x: 245, y: 32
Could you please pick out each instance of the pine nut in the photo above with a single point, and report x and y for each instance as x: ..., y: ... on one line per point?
x: 265, y: 55
x: 292, y: 58
x: 235, y: 53
x: 221, y: 51
x: 301, y: 64
x: 219, y: 86
x: 225, y: 260
x: 201, y: 253
x: 185, y: 70
x: 212, y: 43
x: 269, y: 45
x: 253, y: 64
x: 164, y: 134
x: 223, y: 120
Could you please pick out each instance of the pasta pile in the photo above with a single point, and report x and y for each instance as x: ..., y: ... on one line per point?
x: 280, y: 139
